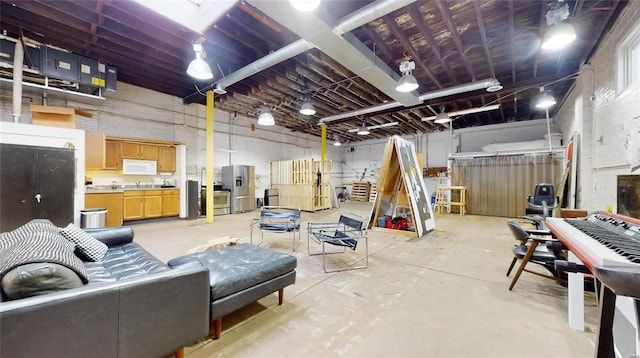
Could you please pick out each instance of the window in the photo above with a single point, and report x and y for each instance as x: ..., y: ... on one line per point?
x: 628, y: 55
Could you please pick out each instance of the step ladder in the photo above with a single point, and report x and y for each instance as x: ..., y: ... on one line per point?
x: 441, y: 199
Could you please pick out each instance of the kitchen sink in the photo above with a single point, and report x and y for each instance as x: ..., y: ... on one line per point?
x: 167, y: 186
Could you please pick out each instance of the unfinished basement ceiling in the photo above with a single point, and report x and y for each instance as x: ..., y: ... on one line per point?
x: 452, y: 43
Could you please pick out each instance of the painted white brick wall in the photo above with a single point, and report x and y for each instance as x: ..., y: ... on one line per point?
x: 605, y: 118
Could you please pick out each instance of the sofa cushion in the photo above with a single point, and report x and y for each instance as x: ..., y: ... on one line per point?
x: 87, y: 246
x: 37, y: 279
x: 34, y: 226
x: 24, y: 246
x: 235, y: 268
x: 122, y: 262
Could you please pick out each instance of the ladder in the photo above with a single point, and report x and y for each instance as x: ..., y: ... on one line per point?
x: 441, y: 199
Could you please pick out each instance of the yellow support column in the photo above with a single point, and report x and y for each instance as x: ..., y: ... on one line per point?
x: 323, y: 142
x: 209, y: 164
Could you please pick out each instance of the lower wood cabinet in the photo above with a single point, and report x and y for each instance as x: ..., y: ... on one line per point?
x: 148, y: 204
x: 110, y: 201
x: 133, y: 205
x: 170, y: 202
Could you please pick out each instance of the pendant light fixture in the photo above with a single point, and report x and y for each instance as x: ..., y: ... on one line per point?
x: 544, y: 100
x: 305, y: 5
x: 559, y: 34
x: 442, y: 117
x: 407, y: 82
x: 363, y: 130
x: 307, y: 107
x: 266, y: 117
x: 336, y: 141
x: 198, y: 68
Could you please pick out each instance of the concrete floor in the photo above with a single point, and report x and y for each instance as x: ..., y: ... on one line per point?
x: 442, y: 295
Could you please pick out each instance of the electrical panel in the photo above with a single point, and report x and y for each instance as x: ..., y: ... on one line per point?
x: 88, y: 72
x: 59, y: 64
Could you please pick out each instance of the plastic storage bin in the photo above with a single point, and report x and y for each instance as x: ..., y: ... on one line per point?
x: 92, y: 218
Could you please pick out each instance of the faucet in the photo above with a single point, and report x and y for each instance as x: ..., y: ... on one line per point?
x: 137, y: 184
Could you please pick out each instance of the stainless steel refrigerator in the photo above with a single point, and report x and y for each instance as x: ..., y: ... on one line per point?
x: 240, y: 181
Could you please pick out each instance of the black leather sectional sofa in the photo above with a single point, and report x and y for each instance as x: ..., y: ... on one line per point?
x: 133, y: 305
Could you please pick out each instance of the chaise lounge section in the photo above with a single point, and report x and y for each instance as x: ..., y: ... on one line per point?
x: 240, y: 275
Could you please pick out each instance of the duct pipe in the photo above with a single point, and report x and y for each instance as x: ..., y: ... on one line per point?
x: 468, y: 87
x: 18, y: 57
x: 369, y: 13
x: 348, y: 23
x: 292, y: 49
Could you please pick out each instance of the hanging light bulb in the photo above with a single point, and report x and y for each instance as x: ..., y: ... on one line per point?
x: 442, y: 117
x: 544, y: 100
x: 407, y: 82
x: 198, y: 68
x: 305, y: 5
x: 266, y: 117
x: 307, y: 108
x: 559, y: 34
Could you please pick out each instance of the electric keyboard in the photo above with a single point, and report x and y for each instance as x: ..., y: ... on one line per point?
x: 600, y: 237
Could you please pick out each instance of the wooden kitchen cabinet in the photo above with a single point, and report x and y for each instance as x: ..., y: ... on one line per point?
x: 133, y: 205
x: 101, y: 153
x: 166, y: 159
x: 130, y: 150
x: 171, y: 202
x: 110, y: 201
x: 152, y: 204
x: 112, y: 158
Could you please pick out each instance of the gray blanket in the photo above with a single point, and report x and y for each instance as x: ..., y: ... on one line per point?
x: 44, y: 246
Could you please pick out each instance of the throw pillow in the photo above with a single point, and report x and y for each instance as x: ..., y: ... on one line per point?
x: 37, y: 227
x: 87, y: 245
x: 38, y: 279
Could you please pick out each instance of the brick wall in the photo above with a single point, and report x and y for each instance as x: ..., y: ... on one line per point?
x: 605, y: 119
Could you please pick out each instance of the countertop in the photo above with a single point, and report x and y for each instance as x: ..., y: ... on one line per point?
x: 107, y: 189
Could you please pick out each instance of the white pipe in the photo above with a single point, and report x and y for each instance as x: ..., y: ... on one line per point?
x: 18, y: 57
x: 369, y: 13
x: 291, y: 50
x: 472, y: 86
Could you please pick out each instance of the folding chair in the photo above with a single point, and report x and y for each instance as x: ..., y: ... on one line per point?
x: 346, y: 232
x: 277, y: 219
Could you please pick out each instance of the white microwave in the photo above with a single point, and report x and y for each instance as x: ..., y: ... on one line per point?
x: 139, y: 167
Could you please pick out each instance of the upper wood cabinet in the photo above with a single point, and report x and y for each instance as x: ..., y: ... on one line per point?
x: 112, y: 159
x: 101, y: 153
x: 130, y: 150
x: 166, y: 159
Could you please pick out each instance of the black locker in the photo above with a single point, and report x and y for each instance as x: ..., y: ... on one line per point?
x: 36, y: 182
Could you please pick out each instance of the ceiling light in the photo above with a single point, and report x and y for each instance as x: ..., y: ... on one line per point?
x: 305, y: 5
x: 442, y: 117
x: 544, y: 100
x: 558, y: 36
x: 391, y: 124
x: 219, y: 89
x: 307, y: 108
x: 266, y: 118
x: 495, y: 86
x: 407, y: 82
x: 336, y: 142
x: 198, y: 68
x: 466, y: 111
x: 363, y: 130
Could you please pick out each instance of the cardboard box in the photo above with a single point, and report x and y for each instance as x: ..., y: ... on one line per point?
x: 63, y: 117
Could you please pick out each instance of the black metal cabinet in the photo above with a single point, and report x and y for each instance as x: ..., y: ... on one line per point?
x: 36, y: 182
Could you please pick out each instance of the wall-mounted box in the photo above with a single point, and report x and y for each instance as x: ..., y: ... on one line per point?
x: 59, y: 64
x: 31, y: 60
x: 111, y: 79
x: 88, y: 72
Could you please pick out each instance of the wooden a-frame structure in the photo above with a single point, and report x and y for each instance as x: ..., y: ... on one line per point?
x: 401, y: 190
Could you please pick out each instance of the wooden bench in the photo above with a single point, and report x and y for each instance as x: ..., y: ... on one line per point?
x: 277, y: 219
